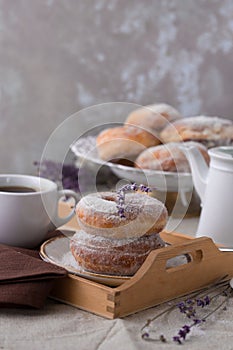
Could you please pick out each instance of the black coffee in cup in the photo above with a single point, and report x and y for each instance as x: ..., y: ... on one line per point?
x: 17, y: 189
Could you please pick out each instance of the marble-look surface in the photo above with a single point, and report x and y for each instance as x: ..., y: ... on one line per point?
x: 60, y: 56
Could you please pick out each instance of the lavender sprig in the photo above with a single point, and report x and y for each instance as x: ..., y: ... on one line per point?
x: 121, y: 195
x: 181, y: 336
x: 66, y: 176
x: 190, y: 307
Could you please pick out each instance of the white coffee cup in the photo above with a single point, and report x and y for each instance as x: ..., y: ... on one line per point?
x: 29, y: 209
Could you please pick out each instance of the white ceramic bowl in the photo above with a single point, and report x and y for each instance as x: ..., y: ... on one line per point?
x: 86, y: 153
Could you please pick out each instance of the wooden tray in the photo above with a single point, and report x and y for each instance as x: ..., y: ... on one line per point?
x: 153, y: 283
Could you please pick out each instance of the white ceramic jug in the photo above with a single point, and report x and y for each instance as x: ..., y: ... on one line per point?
x: 215, y: 188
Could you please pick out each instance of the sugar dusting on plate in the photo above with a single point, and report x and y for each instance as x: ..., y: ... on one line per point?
x: 69, y: 261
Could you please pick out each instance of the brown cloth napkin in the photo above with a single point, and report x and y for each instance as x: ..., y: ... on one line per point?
x: 25, y: 279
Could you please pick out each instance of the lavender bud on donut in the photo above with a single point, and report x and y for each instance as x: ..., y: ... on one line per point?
x: 121, y: 195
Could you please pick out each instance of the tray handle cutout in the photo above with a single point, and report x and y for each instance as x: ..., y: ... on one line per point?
x: 178, y: 261
x: 197, y: 251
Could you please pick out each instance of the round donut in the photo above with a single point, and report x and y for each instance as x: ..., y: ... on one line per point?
x: 153, y: 117
x: 210, y: 131
x: 168, y: 157
x: 112, y: 256
x: 124, y: 142
x: 98, y: 214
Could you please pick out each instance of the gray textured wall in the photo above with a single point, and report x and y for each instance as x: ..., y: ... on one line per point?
x: 59, y: 56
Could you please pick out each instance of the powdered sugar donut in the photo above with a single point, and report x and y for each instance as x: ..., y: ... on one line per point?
x: 153, y: 117
x: 112, y: 256
x: 98, y: 214
x: 124, y: 142
x: 168, y: 157
x: 210, y: 131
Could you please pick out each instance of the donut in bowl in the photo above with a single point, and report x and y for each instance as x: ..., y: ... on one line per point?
x: 168, y: 157
x: 153, y: 117
x: 210, y: 131
x: 124, y: 142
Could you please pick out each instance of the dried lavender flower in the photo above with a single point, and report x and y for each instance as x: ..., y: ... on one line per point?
x: 162, y: 338
x: 64, y: 175
x: 121, y: 195
x: 191, y: 306
x: 181, y: 336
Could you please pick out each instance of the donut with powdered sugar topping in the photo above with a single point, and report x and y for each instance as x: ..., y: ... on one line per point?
x: 98, y: 214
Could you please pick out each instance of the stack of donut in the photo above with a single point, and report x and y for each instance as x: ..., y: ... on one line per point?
x: 159, y: 128
x: 108, y: 243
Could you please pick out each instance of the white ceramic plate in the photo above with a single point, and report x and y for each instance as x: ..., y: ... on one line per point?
x: 86, y: 152
x: 56, y: 250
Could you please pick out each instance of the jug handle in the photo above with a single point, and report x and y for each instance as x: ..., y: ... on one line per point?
x: 199, y: 168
